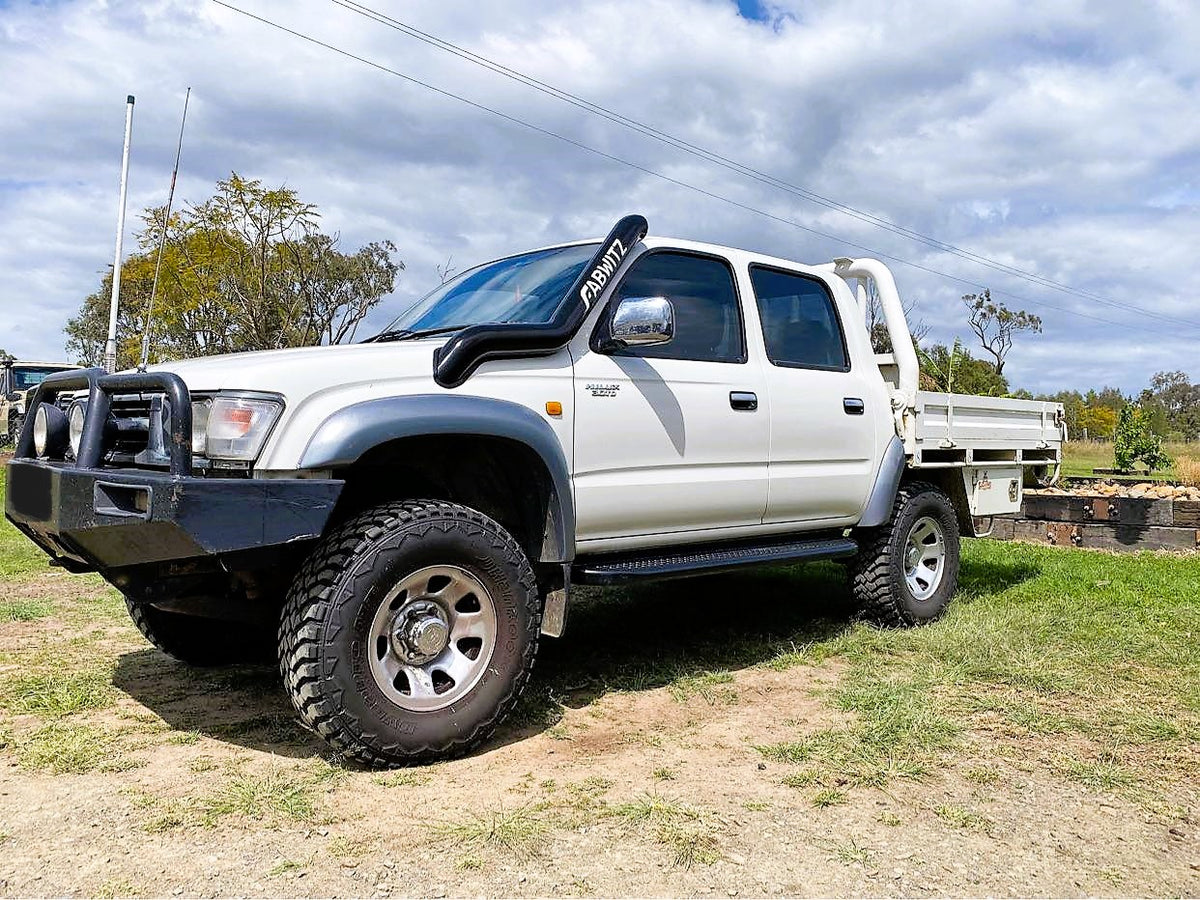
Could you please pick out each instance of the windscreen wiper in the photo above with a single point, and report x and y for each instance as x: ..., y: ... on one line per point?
x: 406, y: 334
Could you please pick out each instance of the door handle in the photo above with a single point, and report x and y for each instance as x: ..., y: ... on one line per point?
x: 743, y: 400
x: 853, y: 406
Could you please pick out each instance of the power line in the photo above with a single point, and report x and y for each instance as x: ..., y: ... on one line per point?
x: 667, y: 178
x: 743, y: 169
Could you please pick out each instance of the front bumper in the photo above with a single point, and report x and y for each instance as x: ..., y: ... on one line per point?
x: 109, y: 518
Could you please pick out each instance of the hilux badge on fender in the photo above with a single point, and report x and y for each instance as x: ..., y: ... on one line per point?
x: 604, y: 390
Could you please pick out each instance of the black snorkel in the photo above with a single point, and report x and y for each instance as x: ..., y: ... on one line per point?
x: 459, y: 357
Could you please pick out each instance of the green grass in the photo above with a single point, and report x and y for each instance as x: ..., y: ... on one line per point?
x: 1081, y: 457
x: 1033, y: 641
x: 71, y: 748
x: 58, y: 693
x: 1064, y: 647
x: 683, y: 829
x: 516, y: 833
x: 24, y: 610
x: 963, y: 819
x: 18, y: 555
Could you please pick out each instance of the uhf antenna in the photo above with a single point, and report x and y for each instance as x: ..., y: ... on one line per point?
x: 162, y: 240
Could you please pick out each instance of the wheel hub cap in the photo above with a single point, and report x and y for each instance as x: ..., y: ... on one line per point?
x: 432, y: 638
x: 924, y: 557
x: 420, y: 632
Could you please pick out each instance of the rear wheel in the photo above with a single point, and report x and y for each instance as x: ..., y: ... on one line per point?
x: 907, y: 569
x: 410, y: 632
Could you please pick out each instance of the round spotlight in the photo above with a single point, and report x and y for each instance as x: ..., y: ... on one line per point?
x: 51, y: 433
x: 76, y: 415
x: 41, y: 431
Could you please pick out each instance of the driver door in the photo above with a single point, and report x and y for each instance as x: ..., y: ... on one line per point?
x: 670, y: 439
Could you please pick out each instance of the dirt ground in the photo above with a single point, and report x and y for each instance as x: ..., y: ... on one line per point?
x: 165, y: 781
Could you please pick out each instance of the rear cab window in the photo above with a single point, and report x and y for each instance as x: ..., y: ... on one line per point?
x: 800, y: 324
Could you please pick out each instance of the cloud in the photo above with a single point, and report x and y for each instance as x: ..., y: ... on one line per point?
x: 1053, y: 140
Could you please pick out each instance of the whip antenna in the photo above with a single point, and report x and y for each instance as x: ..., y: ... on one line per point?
x: 162, y: 239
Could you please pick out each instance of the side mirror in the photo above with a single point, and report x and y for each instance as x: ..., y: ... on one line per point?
x: 642, y: 322
x: 13, y: 397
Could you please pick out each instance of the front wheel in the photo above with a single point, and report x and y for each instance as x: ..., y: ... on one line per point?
x: 907, y: 569
x: 16, y: 422
x: 410, y: 632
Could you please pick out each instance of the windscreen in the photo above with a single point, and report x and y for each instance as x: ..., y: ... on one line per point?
x: 528, y: 289
x: 26, y: 378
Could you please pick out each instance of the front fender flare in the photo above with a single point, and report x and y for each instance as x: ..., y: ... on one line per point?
x: 350, y: 432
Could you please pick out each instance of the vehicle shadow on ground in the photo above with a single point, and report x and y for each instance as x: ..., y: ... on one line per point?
x: 618, y: 639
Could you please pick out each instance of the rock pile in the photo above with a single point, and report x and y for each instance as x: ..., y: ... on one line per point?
x: 1149, y: 490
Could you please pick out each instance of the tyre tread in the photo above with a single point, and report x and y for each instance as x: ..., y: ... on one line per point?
x: 875, y: 591
x: 310, y: 603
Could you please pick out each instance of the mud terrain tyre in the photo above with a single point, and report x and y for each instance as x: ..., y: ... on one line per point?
x: 15, y: 423
x: 410, y: 632
x: 200, y: 641
x: 907, y: 570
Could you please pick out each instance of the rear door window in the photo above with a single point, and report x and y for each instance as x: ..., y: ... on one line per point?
x: 799, y: 321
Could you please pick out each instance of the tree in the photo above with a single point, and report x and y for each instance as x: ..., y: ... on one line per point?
x: 247, y: 269
x: 954, y: 370
x: 1135, y: 442
x: 995, y: 324
x: 1099, y: 421
x: 1173, y: 403
x: 881, y: 340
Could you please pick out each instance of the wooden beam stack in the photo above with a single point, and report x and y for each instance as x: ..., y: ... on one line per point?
x: 1126, y: 524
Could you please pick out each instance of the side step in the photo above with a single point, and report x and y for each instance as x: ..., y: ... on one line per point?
x: 705, y: 559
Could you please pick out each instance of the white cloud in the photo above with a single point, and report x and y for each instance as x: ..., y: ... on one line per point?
x: 1056, y: 139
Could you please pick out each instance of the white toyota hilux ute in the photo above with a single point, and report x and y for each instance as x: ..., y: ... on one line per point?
x: 400, y: 520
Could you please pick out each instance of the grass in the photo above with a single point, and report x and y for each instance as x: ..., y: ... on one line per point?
x: 1043, y: 646
x: 683, y: 829
x: 18, y: 555
x: 828, y: 797
x: 962, y: 818
x: 514, y: 832
x: 711, y: 687
x: 58, y: 693
x: 851, y: 852
x: 1081, y: 457
x: 24, y: 610
x: 277, y: 794
x: 1106, y: 772
x: 63, y: 748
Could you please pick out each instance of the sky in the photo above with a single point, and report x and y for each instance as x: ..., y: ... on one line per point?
x: 1058, y: 138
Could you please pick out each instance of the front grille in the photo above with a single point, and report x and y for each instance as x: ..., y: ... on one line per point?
x: 130, y: 421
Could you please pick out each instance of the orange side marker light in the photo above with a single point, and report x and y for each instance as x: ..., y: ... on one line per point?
x: 553, y: 408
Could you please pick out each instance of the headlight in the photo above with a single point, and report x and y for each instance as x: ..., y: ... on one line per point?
x: 76, y: 415
x: 50, y: 432
x: 238, y: 426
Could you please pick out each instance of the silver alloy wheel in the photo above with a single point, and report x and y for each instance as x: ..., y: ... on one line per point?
x: 432, y: 638
x: 924, y: 557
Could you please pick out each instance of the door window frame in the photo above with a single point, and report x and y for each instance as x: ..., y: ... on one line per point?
x: 601, y: 330
x: 837, y: 318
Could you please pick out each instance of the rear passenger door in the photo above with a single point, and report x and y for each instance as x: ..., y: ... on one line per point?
x: 671, y: 438
x: 822, y: 429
